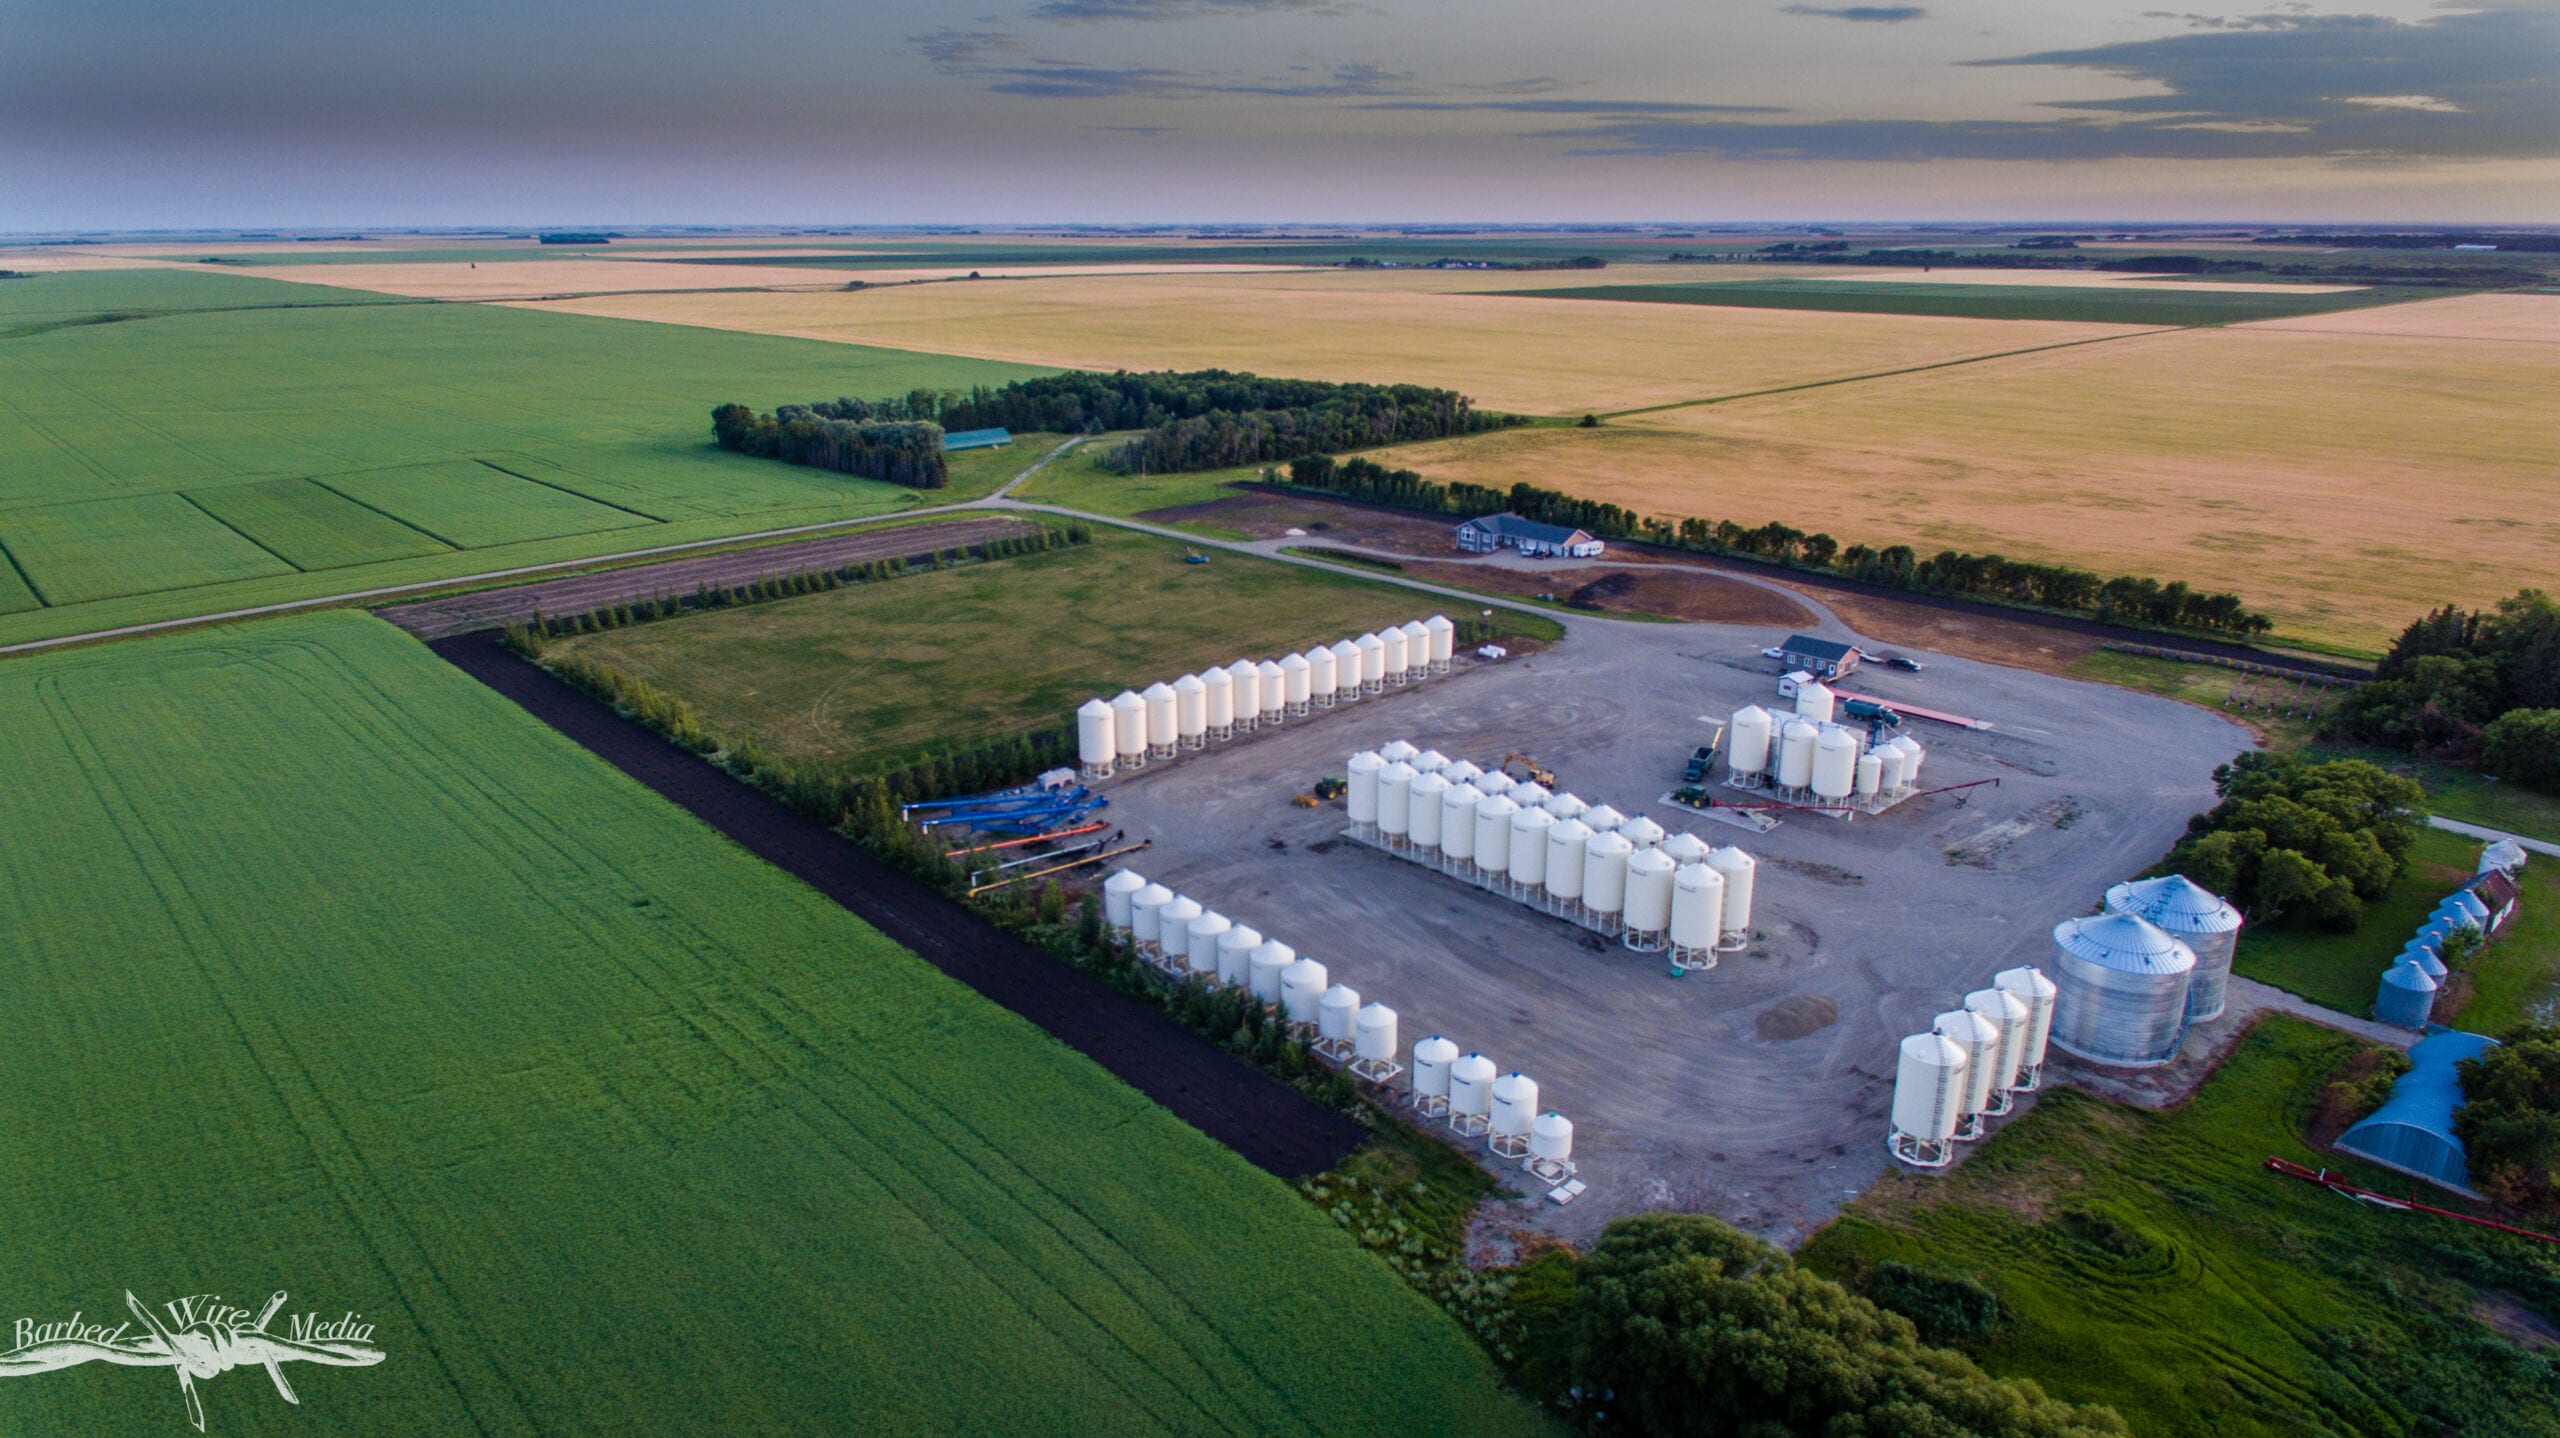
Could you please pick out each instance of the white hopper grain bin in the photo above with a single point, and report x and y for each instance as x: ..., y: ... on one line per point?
x: 1191, y: 711
x: 1362, y: 794
x: 1262, y: 970
x: 1373, y: 1040
x: 1889, y: 761
x: 1398, y: 750
x: 1642, y: 832
x: 1202, y: 952
x: 1747, y: 740
x: 1235, y: 953
x: 2009, y: 1012
x: 1462, y: 772
x: 1493, y: 834
x: 1814, y: 703
x: 1928, y: 1100
x: 1444, y: 641
x: 1393, y: 649
x: 1530, y: 795
x: 1980, y: 1038
x: 1739, y: 870
x: 1220, y: 687
x: 1604, y: 875
x: 1173, y: 928
x: 1338, y: 1014
x: 1346, y: 670
x: 1373, y: 663
x: 1094, y: 745
x: 1602, y: 820
x: 1275, y: 690
x: 1431, y: 761
x: 1527, y: 868
x: 1515, y: 1107
x: 1796, y: 744
x: 1697, y: 912
x: 2120, y: 990
x: 1395, y: 803
x: 1458, y: 826
x: 1117, y: 891
x: 1432, y: 1060
x: 1497, y: 782
x: 1686, y: 849
x: 2033, y: 989
x: 1471, y: 1088
x: 1302, y: 986
x: 1164, y: 720
x: 1417, y: 649
x: 1870, y: 776
x: 1146, y: 907
x: 1246, y: 676
x: 1567, y: 841
x: 1835, y: 765
x: 2180, y: 906
x: 1648, y: 907
x: 1129, y: 729
x: 1423, y: 825
x: 1297, y: 682
x: 1551, y: 1144
x: 1320, y: 676
x: 1912, y: 754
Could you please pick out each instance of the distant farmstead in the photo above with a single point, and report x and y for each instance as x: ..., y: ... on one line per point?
x: 977, y: 439
x: 1819, y: 657
x: 1510, y: 531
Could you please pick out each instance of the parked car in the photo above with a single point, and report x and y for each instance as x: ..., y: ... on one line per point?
x: 1903, y: 663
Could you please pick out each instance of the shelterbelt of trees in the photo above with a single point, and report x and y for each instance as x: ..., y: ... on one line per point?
x: 868, y: 438
x: 1217, y: 419
x: 2475, y: 687
x: 2127, y: 599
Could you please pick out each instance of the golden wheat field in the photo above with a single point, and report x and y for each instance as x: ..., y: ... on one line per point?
x: 2526, y: 319
x: 2341, y: 482
x: 1535, y: 356
x: 543, y: 279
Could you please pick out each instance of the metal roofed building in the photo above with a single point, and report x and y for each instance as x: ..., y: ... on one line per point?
x: 1820, y: 658
x: 1490, y: 532
x: 977, y: 439
x: 2412, y: 1132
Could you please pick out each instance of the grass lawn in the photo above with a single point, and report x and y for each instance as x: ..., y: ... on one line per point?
x: 2475, y: 798
x: 2517, y: 979
x: 328, y: 971
x: 2212, y: 687
x: 2340, y: 970
x: 944, y: 661
x: 1078, y: 481
x: 129, y: 388
x: 2145, y: 1261
x: 2194, y: 304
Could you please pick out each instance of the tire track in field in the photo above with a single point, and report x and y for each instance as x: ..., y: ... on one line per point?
x: 177, y: 899
x: 928, y: 1205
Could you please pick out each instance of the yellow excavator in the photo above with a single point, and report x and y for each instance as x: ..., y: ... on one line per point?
x: 1530, y: 770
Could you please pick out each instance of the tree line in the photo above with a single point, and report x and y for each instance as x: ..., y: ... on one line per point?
x: 1216, y: 419
x: 2292, y: 839
x: 2479, y: 687
x: 841, y: 435
x: 2126, y: 599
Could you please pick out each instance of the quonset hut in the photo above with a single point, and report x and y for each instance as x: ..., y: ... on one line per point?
x: 2120, y: 991
x: 2412, y: 1132
x: 2196, y: 916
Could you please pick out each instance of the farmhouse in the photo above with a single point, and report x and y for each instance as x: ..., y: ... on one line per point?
x: 1820, y: 658
x: 1506, y: 530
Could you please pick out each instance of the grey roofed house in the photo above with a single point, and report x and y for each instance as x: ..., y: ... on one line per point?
x: 1822, y: 658
x: 1487, y: 533
x: 2413, y: 1130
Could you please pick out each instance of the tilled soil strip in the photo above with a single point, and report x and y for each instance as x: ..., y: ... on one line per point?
x: 578, y: 593
x: 1273, y: 1126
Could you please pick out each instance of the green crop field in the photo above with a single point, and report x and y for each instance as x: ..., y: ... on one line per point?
x: 329, y: 972
x: 312, y: 527
x: 2201, y: 303
x: 137, y: 386
x: 2146, y: 1261
x: 948, y: 660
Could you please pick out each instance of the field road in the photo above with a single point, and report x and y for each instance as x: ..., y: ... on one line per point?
x: 2478, y: 831
x: 579, y: 593
x: 1273, y: 1126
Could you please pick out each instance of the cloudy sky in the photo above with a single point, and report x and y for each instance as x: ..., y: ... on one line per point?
x: 173, y: 113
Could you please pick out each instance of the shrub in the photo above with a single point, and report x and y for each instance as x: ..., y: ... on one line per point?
x: 1945, y: 1307
x: 2509, y: 1123
x: 2523, y: 747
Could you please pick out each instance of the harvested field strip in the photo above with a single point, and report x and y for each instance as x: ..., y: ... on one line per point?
x: 311, y: 527
x: 105, y: 547
x: 319, y: 948
x: 2200, y: 304
x: 471, y: 506
x: 579, y: 593
x: 1865, y: 378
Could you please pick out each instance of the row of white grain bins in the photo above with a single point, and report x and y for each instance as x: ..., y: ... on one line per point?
x: 1809, y: 759
x: 2128, y: 983
x: 1187, y: 940
x: 1591, y: 865
x: 1216, y: 705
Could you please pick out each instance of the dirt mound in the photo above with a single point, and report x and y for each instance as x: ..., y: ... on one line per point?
x: 1607, y: 586
x: 1793, y: 1018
